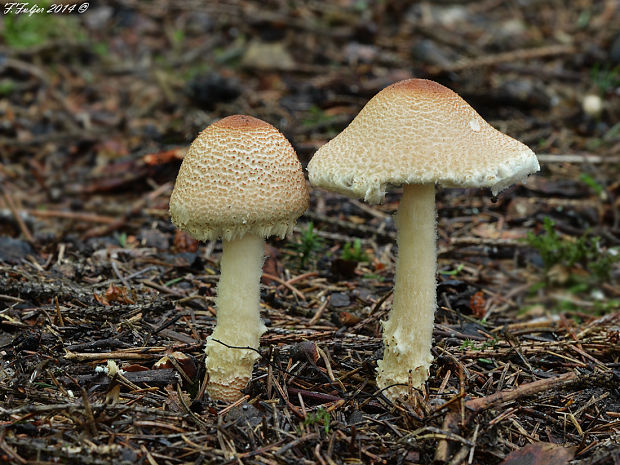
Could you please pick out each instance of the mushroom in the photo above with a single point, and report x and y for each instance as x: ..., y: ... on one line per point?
x: 416, y: 133
x: 240, y: 181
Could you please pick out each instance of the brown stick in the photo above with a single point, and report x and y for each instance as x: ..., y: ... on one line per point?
x: 475, y: 406
x: 81, y: 357
x: 318, y: 313
x: 88, y: 411
x: 8, y: 450
x: 78, y: 216
x: 483, y: 403
x: 505, y: 57
x: 285, y: 284
x: 134, y: 210
x: 315, y: 396
x: 302, y: 277
x: 22, y: 226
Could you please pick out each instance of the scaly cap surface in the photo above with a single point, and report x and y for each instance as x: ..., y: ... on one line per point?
x: 414, y: 132
x: 240, y: 175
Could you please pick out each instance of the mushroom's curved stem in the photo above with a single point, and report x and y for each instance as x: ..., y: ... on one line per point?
x: 238, y: 318
x: 408, y: 332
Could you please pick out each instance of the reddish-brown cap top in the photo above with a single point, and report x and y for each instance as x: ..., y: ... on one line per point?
x: 414, y: 132
x: 240, y: 175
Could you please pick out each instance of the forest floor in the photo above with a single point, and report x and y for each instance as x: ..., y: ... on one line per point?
x: 97, y: 110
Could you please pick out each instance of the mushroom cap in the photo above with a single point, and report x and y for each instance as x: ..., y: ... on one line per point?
x: 415, y: 132
x: 240, y: 176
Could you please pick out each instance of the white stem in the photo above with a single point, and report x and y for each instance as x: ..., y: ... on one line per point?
x: 238, y: 318
x: 408, y: 332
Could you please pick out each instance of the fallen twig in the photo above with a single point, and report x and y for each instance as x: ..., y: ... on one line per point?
x: 475, y: 406
x: 505, y: 57
x: 18, y: 219
x: 502, y: 397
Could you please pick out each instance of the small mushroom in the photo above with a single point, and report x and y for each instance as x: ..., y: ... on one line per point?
x: 240, y: 181
x: 416, y: 133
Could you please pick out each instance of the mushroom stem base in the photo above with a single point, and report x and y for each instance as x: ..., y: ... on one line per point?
x: 229, y: 363
x: 408, y: 332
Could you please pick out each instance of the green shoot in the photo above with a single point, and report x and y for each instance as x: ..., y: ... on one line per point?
x: 354, y: 252
x: 316, y: 115
x: 122, y: 239
x: 320, y: 417
x: 591, y: 183
x: 309, y: 244
x: 453, y: 272
x: 605, y: 77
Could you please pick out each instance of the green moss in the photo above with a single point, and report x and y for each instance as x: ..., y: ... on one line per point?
x: 585, y: 265
x: 605, y: 77
x: 24, y: 31
x: 585, y: 251
x: 7, y: 86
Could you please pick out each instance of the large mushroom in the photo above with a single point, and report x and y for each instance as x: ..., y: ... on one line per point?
x: 416, y: 133
x: 240, y: 181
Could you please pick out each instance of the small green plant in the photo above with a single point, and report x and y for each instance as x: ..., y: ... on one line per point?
x: 612, y: 133
x: 196, y: 69
x: 316, y: 116
x: 453, y: 272
x: 309, y: 243
x: 173, y: 281
x: 178, y: 37
x: 584, y: 19
x: 232, y: 54
x: 585, y: 251
x: 611, y: 305
x: 605, y: 77
x: 594, y: 143
x: 101, y: 49
x: 122, y: 239
x: 488, y: 344
x: 468, y: 344
x: 591, y: 183
x: 376, y: 276
x: 354, y: 252
x: 7, y: 86
x: 320, y: 417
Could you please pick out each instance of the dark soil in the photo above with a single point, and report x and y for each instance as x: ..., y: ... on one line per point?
x: 97, y: 110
